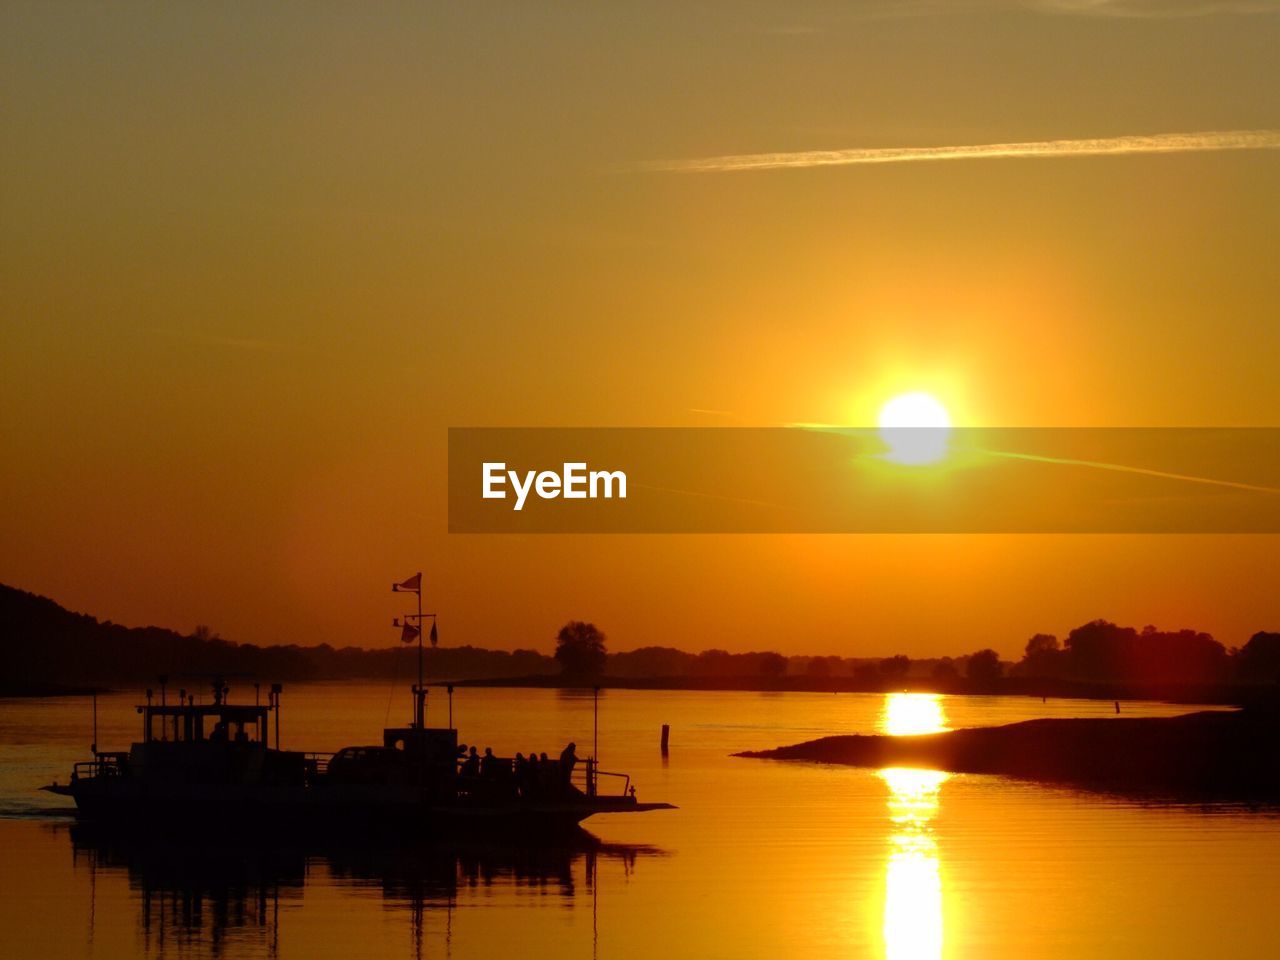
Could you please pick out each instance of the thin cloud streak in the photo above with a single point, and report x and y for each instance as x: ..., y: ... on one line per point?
x: 1156, y: 9
x: 1062, y: 461
x: 1209, y: 140
x: 1144, y: 471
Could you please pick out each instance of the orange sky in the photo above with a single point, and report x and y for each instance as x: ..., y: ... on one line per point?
x: 254, y: 262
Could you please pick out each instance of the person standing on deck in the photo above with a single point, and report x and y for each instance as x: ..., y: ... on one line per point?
x: 568, y: 760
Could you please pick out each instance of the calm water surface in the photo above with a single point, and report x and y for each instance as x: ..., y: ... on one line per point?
x: 762, y: 859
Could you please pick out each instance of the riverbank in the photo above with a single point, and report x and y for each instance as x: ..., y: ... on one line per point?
x: 1215, y: 755
x: 1233, y: 694
x: 48, y: 690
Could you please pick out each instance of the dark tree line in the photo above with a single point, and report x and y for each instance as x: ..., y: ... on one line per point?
x: 43, y: 644
x: 1101, y: 651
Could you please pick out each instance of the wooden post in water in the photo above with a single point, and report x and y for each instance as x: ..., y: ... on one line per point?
x: 276, y: 690
x: 666, y: 736
x: 593, y: 765
x: 164, y: 723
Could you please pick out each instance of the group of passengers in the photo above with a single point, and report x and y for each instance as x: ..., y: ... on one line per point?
x: 535, y: 776
x: 221, y: 733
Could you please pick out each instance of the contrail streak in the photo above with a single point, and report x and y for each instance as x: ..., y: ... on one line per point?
x: 1063, y: 461
x: 1094, y: 147
x: 1144, y: 471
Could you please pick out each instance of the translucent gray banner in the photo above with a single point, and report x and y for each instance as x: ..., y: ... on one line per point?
x: 844, y: 480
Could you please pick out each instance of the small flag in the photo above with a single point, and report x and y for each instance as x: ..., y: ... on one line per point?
x: 412, y: 585
x: 409, y: 633
x: 435, y: 637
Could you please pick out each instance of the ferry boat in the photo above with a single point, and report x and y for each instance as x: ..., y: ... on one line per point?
x: 210, y: 764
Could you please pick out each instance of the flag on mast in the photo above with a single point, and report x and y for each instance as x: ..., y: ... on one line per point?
x: 409, y: 633
x: 412, y: 585
x: 435, y: 637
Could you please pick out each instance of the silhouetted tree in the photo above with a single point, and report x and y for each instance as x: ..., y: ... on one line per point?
x: 1103, y: 651
x: 1259, y: 659
x: 820, y: 668
x: 772, y: 665
x: 945, y: 669
x: 1098, y: 650
x: 895, y: 667
x: 712, y: 663
x: 651, y: 662
x: 1043, y: 657
x: 580, y: 650
x: 1181, y: 656
x: 984, y: 667
x: 1042, y: 643
x: 867, y: 674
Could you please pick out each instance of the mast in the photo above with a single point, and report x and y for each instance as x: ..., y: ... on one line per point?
x: 421, y: 713
x: 414, y: 585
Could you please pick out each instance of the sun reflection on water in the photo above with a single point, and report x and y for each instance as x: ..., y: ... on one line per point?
x: 909, y: 714
x: 913, y: 912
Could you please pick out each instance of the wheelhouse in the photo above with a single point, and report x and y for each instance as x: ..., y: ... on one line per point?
x: 219, y: 721
x: 215, y: 721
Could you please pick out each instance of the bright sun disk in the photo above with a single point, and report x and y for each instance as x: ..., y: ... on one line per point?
x: 915, y: 426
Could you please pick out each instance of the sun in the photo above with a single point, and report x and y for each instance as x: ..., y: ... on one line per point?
x: 915, y: 426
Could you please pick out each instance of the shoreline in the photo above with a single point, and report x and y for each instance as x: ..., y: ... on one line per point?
x: 1232, y: 695
x: 1211, y: 755
x: 35, y: 691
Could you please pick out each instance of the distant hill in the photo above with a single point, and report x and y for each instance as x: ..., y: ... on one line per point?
x: 45, y: 646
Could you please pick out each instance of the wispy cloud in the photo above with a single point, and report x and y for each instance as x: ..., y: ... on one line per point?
x: 1095, y: 147
x: 708, y: 412
x: 810, y: 20
x: 1144, y: 471
x: 1156, y: 8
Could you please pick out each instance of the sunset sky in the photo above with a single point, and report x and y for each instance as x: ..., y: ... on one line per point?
x: 254, y: 262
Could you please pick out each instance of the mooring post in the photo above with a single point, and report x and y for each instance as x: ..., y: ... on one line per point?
x: 666, y: 736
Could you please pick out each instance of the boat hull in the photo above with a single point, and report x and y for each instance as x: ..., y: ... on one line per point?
x: 349, y: 807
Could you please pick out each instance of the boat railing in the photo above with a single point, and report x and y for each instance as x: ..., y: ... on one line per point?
x: 586, y: 777
x: 102, y: 765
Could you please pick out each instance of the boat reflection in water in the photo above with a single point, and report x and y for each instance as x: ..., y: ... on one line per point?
x: 913, y: 915
x: 204, y: 898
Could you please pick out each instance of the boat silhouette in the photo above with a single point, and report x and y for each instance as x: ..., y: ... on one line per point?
x: 212, y: 764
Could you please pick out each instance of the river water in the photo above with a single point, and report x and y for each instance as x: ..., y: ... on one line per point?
x: 762, y: 859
